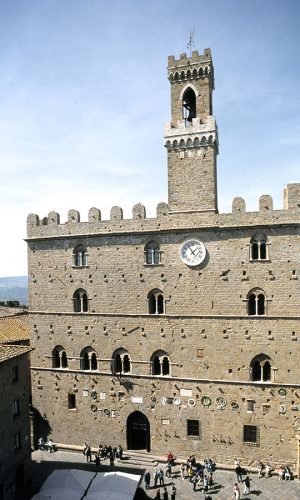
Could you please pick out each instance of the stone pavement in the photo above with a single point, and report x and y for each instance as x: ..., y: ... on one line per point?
x: 43, y: 463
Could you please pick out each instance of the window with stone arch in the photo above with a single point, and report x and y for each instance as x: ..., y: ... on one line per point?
x: 156, y: 303
x: 80, y: 256
x: 59, y: 357
x: 189, y: 106
x: 259, y: 247
x: 88, y: 359
x: 160, y: 363
x: 121, y: 362
x: 261, y: 368
x: 80, y: 301
x: 152, y: 253
x: 256, y: 302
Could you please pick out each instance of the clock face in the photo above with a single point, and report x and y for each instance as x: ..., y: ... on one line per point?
x: 193, y: 252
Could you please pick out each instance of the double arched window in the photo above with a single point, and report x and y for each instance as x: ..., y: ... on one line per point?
x: 80, y: 301
x: 80, y: 256
x: 188, y: 106
x: 59, y: 357
x: 121, y: 362
x: 88, y: 359
x: 160, y: 363
x: 258, y: 247
x: 152, y: 253
x: 260, y: 368
x: 256, y: 303
x: 156, y: 303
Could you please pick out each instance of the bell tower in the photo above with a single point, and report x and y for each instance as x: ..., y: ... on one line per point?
x: 191, y: 138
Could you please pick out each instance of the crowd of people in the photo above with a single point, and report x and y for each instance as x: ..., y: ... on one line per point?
x: 200, y: 475
x: 284, y: 472
x: 104, y: 452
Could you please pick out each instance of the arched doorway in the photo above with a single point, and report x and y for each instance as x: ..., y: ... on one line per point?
x: 138, y: 432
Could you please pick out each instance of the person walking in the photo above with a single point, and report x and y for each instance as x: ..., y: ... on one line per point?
x: 147, y: 479
x: 246, y: 482
x: 88, y: 454
x: 165, y: 494
x: 85, y: 447
x: 195, y: 481
x: 161, y: 477
x: 260, y: 467
x: 182, y: 470
x: 168, y: 469
x: 238, y: 472
x: 205, y: 484
x: 236, y: 492
x: 173, y: 492
x: 157, y: 496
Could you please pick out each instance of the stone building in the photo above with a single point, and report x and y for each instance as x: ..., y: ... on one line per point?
x: 179, y: 332
x: 15, y: 446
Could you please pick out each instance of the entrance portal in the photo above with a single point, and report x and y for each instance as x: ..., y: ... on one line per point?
x: 138, y: 432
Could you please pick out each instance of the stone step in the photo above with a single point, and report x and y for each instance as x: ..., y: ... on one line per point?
x: 139, y: 458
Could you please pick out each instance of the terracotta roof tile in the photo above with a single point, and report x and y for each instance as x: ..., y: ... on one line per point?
x: 12, y: 351
x: 14, y: 328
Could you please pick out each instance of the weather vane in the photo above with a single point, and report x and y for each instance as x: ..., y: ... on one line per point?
x: 191, y: 42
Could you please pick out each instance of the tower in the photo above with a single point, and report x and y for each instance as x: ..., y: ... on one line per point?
x: 191, y: 138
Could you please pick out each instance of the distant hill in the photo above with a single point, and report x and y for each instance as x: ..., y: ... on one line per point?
x: 14, y: 288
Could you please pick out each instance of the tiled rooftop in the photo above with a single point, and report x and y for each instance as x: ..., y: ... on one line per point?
x: 12, y: 351
x: 14, y: 328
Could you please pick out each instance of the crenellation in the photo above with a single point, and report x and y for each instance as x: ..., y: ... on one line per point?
x: 94, y: 215
x: 265, y: 203
x: 291, y: 196
x: 53, y: 218
x: 73, y: 216
x: 116, y: 213
x: 238, y: 206
x: 164, y: 220
x: 138, y: 212
x: 184, y: 60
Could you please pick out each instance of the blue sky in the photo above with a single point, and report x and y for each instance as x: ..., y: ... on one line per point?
x: 84, y: 97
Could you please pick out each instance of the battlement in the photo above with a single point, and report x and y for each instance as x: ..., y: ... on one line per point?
x: 167, y: 220
x: 183, y: 60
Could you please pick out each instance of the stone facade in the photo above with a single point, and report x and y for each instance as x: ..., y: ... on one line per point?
x: 134, y: 346
x: 15, y: 448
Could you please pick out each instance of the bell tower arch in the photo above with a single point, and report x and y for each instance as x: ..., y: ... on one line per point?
x: 191, y: 138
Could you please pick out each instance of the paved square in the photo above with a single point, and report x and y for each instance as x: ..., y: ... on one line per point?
x: 263, y: 489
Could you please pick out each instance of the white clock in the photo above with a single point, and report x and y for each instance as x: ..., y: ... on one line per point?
x: 193, y: 252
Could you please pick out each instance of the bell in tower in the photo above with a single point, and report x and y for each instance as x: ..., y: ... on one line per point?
x: 191, y: 138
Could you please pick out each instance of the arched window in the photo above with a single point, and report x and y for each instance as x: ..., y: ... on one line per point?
x: 259, y: 247
x: 121, y: 362
x: 80, y: 301
x: 260, y: 368
x: 88, y: 359
x: 156, y: 304
x: 80, y: 256
x: 152, y: 253
x: 160, y: 363
x: 256, y: 303
x: 189, y: 106
x: 59, y: 357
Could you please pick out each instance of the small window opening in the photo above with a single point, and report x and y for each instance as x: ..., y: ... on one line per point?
x: 71, y: 401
